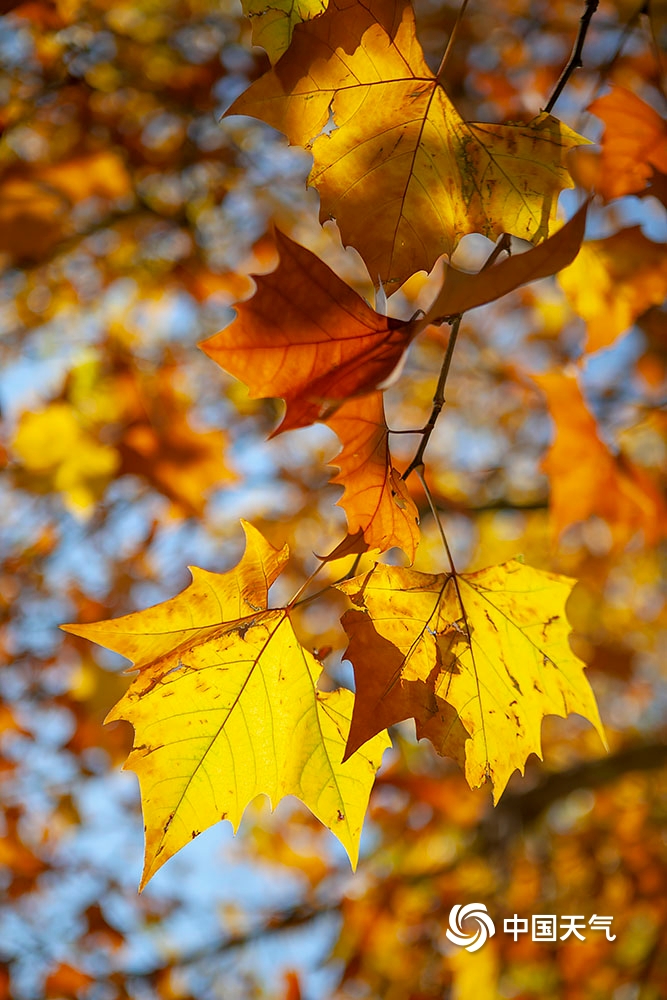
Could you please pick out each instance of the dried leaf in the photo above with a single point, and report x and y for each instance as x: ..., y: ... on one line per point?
x: 462, y: 291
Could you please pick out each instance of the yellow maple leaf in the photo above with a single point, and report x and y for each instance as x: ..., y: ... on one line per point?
x: 226, y: 707
x: 273, y: 21
x: 57, y: 453
x: 477, y: 659
x: 403, y: 175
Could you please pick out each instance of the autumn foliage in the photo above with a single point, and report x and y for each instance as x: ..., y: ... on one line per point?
x: 306, y: 190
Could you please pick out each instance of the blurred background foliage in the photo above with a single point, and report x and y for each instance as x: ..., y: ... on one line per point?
x: 130, y: 218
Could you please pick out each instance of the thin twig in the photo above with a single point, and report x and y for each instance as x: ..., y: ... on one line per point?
x: 439, y: 395
x: 607, y: 67
x: 436, y: 518
x: 450, y: 44
x: 438, y: 400
x: 574, y: 61
x: 657, y: 50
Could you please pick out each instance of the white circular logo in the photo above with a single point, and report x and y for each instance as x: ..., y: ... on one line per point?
x: 485, y: 927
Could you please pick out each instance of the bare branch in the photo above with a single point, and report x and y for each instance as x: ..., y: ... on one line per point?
x: 574, y: 61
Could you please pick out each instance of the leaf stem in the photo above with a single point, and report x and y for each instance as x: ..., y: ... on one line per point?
x: 575, y: 61
x: 303, y: 586
x: 450, y: 44
x: 436, y: 516
x: 296, y: 602
x: 459, y: 597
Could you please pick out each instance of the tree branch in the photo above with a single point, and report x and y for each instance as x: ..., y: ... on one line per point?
x: 439, y: 396
x: 438, y: 400
x: 574, y: 61
x: 515, y: 809
x: 525, y: 807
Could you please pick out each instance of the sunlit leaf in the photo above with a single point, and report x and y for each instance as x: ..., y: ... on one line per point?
x: 477, y: 660
x: 273, y: 21
x: 226, y: 707
x: 380, y: 511
x: 402, y: 174
x: 309, y: 338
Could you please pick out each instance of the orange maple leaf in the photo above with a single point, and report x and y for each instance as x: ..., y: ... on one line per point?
x: 380, y: 511
x: 309, y: 338
x: 586, y: 479
x: 634, y: 143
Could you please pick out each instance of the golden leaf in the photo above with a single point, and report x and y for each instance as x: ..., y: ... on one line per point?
x: 273, y: 21
x: 226, y: 707
x: 477, y: 660
x: 402, y: 174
